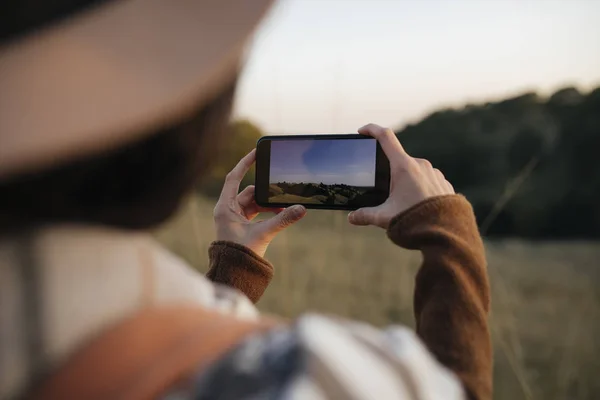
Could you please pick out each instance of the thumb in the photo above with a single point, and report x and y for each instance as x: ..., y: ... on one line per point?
x: 284, y: 219
x: 362, y: 216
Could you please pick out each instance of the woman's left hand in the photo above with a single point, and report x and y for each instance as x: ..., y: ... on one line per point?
x: 234, y: 213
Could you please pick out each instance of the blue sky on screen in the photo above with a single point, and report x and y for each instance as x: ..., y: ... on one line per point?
x: 349, y: 162
x: 335, y: 65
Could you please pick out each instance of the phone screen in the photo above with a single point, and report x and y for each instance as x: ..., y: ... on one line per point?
x: 320, y: 172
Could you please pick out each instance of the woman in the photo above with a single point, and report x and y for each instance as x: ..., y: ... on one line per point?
x: 109, y: 112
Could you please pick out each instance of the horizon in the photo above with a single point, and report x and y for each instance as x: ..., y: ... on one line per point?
x: 313, y: 68
x: 320, y: 183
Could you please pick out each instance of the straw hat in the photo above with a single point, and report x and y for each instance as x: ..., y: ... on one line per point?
x: 104, y: 76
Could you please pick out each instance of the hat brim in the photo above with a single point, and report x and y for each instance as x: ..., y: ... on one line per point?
x: 104, y: 77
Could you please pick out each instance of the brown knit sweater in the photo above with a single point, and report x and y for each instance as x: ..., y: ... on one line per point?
x: 452, y: 295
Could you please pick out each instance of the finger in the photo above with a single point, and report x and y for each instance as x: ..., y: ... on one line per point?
x: 235, y: 176
x: 440, y: 176
x: 284, y: 219
x: 269, y: 209
x: 387, y: 139
x: 450, y: 187
x: 247, y: 203
x: 246, y: 197
x: 439, y: 179
x: 433, y: 175
x: 362, y: 216
x: 254, y: 209
x: 423, y: 163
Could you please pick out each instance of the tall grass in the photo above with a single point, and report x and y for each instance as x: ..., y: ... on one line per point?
x: 545, y: 307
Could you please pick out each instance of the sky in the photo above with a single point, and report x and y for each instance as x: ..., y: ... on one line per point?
x: 319, y: 66
x: 349, y: 162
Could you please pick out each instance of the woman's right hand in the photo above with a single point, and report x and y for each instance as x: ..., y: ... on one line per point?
x: 413, y: 180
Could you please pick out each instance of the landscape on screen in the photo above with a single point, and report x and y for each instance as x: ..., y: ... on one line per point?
x: 326, y: 172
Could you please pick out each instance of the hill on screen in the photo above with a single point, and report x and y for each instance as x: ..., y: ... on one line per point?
x: 317, y: 193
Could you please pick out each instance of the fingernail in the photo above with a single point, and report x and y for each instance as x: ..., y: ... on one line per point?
x: 297, y: 209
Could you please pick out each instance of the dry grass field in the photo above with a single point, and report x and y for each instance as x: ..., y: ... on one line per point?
x: 546, y: 296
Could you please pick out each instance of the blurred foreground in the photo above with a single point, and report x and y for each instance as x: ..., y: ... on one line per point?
x: 545, y: 295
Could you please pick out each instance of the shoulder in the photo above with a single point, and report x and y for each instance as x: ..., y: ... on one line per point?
x: 323, y: 357
x: 176, y: 281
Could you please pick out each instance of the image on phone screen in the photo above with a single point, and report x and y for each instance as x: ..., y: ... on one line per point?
x: 333, y: 173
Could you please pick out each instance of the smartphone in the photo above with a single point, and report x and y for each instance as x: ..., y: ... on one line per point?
x: 334, y: 172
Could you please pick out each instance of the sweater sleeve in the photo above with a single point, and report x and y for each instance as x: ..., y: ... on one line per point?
x: 239, y: 267
x: 452, y: 294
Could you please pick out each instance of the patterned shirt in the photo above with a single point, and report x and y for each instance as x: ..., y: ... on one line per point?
x: 319, y: 357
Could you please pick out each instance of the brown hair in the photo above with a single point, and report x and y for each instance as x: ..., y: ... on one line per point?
x: 136, y: 186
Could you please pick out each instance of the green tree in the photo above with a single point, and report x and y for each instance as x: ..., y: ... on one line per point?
x: 485, y: 149
x: 242, y: 138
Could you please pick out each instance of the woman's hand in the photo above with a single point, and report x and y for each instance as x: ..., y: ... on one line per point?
x: 412, y: 181
x: 234, y: 212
